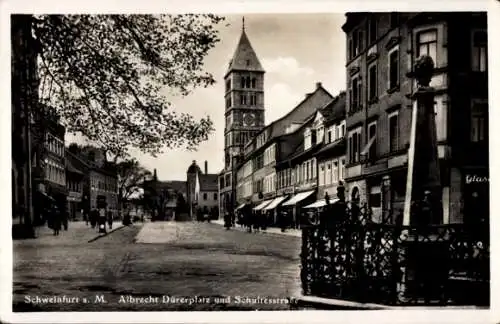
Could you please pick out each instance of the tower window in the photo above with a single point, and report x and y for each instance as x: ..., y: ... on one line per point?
x: 243, y: 99
x: 253, y: 99
x: 248, y: 62
x: 247, y: 82
x: 253, y: 83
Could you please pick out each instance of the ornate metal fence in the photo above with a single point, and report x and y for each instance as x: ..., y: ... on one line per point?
x: 354, y: 259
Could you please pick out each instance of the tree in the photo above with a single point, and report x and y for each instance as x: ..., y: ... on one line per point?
x: 110, y: 76
x: 130, y: 175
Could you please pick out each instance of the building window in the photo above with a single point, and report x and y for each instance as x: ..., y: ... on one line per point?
x: 354, y: 145
x: 479, y: 51
x: 254, y: 83
x: 342, y: 169
x: 372, y: 134
x: 394, y: 68
x: 355, y: 43
x: 393, y: 132
x: 394, y: 19
x: 335, y: 172
x: 372, y: 81
x: 478, y: 122
x: 243, y: 99
x: 329, y: 140
x: 355, y: 94
x: 321, y: 180
x: 328, y: 175
x: 228, y: 85
x: 372, y: 30
x: 307, y: 139
x: 253, y: 99
x: 427, y: 44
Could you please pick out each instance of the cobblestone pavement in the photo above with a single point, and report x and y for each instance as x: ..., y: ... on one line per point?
x: 152, y: 267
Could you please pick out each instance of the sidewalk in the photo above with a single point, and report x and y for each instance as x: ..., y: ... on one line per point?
x: 269, y: 230
x: 78, y: 232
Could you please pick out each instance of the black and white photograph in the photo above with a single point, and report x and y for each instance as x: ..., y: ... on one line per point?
x: 250, y: 161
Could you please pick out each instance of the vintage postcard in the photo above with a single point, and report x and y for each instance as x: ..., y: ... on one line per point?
x: 193, y: 162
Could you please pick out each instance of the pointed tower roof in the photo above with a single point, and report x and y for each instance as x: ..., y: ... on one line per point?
x: 244, y: 57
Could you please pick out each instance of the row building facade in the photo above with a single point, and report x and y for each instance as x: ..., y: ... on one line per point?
x: 278, y: 173
x: 382, y: 49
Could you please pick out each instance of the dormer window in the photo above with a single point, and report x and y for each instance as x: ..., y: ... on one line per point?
x: 307, y: 139
x: 313, y: 137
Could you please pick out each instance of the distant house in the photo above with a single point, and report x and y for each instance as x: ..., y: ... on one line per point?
x: 202, y: 189
x: 166, y: 200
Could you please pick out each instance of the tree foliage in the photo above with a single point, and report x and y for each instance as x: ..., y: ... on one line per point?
x: 130, y: 175
x: 112, y: 77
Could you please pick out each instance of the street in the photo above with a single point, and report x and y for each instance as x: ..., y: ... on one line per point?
x: 157, y: 266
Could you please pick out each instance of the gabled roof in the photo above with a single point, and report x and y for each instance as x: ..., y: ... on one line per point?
x: 276, y: 128
x: 208, y: 182
x: 244, y: 57
x: 335, y: 109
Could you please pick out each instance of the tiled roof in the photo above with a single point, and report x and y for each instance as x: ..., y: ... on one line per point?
x: 278, y: 128
x: 334, y: 148
x: 176, y: 185
x: 335, y: 109
x: 208, y: 182
x: 244, y: 57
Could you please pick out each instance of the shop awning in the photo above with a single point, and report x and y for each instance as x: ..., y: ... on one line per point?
x: 240, y: 206
x: 298, y: 197
x: 262, y: 205
x: 274, y: 203
x: 321, y: 203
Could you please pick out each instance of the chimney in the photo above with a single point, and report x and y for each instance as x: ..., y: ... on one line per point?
x: 318, y: 85
x: 206, y: 167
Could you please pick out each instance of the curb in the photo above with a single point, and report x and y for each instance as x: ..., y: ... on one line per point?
x: 243, y: 230
x: 106, y: 234
x: 299, y: 302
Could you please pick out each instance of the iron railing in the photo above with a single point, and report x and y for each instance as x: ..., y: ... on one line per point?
x: 355, y: 259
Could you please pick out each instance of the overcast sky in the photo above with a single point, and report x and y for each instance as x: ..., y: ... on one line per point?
x: 296, y: 50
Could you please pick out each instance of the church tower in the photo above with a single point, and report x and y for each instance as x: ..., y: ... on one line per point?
x: 244, y: 112
x: 244, y: 98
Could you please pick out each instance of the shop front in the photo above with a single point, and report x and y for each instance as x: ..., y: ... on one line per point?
x: 294, y: 206
x: 273, y: 210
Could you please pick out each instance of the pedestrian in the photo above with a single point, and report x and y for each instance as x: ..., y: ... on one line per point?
x: 65, y: 219
x: 93, y: 218
x: 283, y: 219
x: 110, y: 219
x: 56, y: 220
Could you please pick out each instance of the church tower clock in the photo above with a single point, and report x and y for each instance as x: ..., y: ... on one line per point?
x: 244, y: 109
